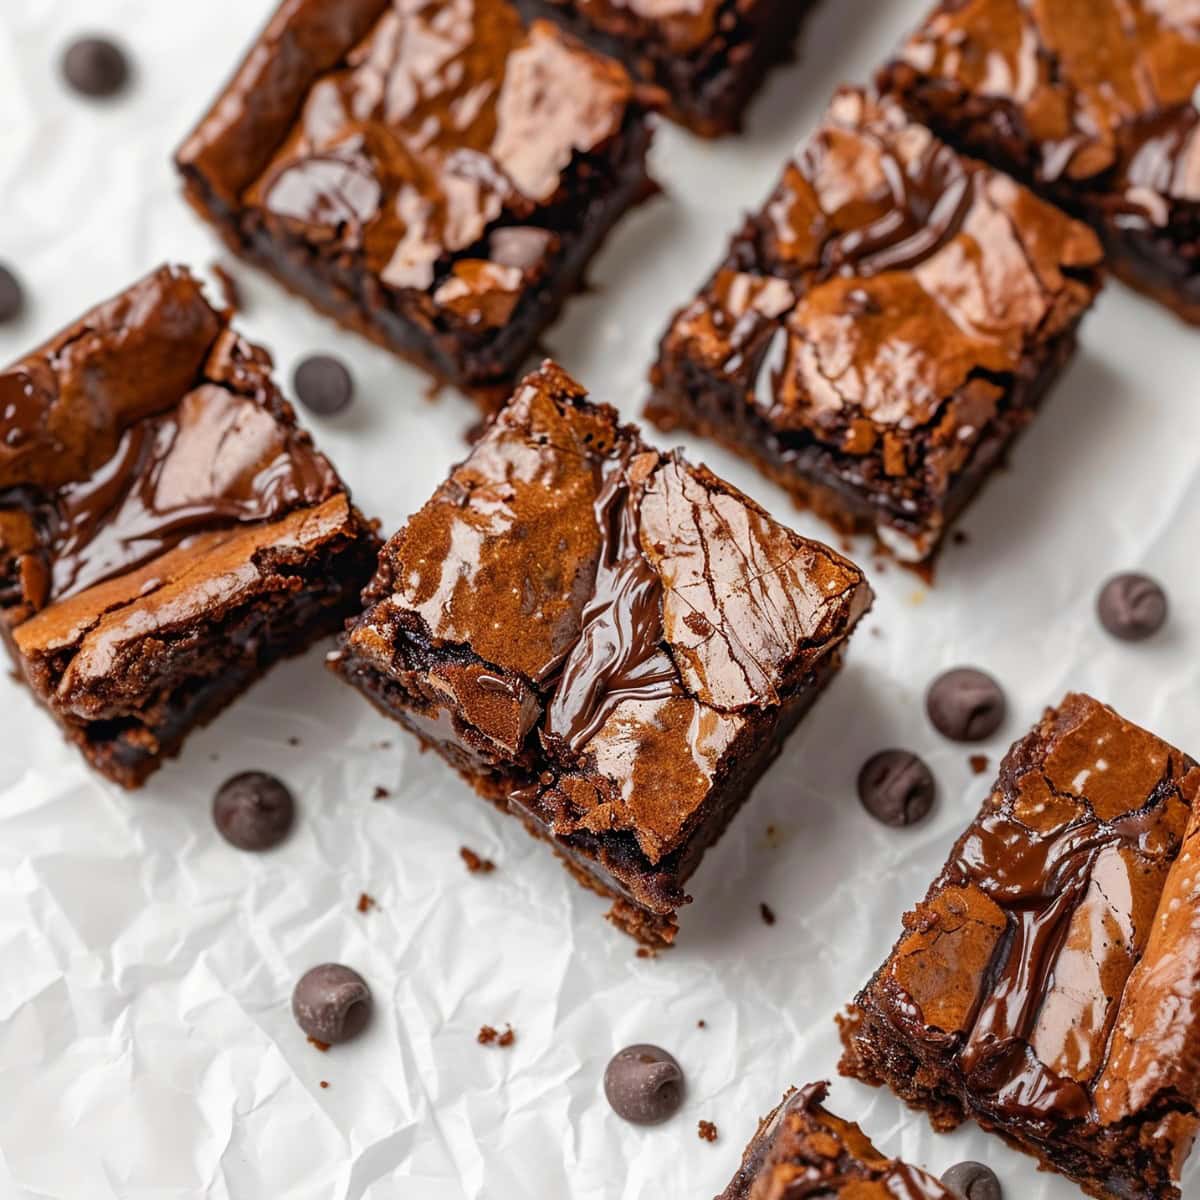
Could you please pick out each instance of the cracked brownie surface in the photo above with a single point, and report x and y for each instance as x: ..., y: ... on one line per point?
x: 1049, y: 984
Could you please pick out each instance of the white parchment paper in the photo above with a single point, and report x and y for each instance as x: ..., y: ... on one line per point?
x: 146, y: 1044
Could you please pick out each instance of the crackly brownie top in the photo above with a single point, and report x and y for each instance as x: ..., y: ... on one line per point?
x: 624, y: 607
x: 446, y: 119
x: 1097, y: 86
x: 803, y: 1152
x: 885, y: 292
x: 684, y: 26
x: 145, y: 428
x: 1057, y: 956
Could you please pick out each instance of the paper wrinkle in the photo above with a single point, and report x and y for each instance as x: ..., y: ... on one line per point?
x: 147, y: 1048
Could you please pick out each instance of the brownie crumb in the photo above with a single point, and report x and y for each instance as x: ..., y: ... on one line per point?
x: 979, y: 763
x: 489, y: 1036
x: 475, y: 864
x: 708, y: 1131
x: 647, y: 952
x: 324, y: 1083
x: 702, y: 1024
x: 960, y: 537
x: 293, y: 740
x: 320, y: 1045
x: 768, y: 914
x: 366, y: 902
x: 381, y: 793
x: 230, y: 292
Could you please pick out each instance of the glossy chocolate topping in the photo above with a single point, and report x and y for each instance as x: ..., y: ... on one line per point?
x: 1040, y: 951
x: 631, y: 605
x: 905, y: 285
x: 444, y: 117
x: 1103, y: 90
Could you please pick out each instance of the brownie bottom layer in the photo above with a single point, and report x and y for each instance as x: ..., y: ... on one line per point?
x: 1126, y: 1160
x: 482, y: 363
x: 646, y: 896
x: 687, y: 397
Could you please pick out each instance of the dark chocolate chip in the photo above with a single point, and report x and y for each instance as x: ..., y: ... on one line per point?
x: 973, y: 1181
x: 95, y: 66
x: 331, y: 1003
x: 1132, y: 607
x: 644, y: 1084
x: 253, y: 810
x: 965, y: 705
x: 323, y: 384
x: 896, y: 787
x: 12, y: 295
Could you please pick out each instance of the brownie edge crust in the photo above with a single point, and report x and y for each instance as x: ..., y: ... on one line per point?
x: 605, y: 641
x: 1048, y: 986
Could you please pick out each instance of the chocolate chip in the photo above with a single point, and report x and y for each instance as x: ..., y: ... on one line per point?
x: 331, y: 1003
x: 1132, y: 607
x: 253, y: 810
x: 644, y: 1084
x: 896, y: 787
x: 12, y: 295
x: 323, y: 384
x: 973, y: 1181
x: 95, y: 66
x: 965, y: 705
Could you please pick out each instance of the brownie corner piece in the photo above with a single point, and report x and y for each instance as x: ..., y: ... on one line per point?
x: 709, y: 58
x: 1048, y: 985
x: 883, y: 328
x: 1097, y: 112
x: 434, y: 176
x: 602, y: 639
x: 802, y: 1149
x: 166, y: 529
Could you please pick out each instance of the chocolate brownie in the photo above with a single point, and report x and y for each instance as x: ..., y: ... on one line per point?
x: 803, y: 1150
x: 882, y: 328
x: 166, y: 530
x: 603, y: 640
x: 1092, y: 102
x: 1048, y: 985
x: 708, y: 56
x: 428, y: 172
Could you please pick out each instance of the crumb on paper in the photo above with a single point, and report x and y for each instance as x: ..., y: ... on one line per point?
x: 708, y: 1131
x: 960, y: 537
x: 647, y: 952
x: 320, y: 1045
x: 702, y: 1024
x: 775, y: 836
x: 366, y: 902
x: 488, y: 1035
x: 293, y: 740
x: 324, y: 1083
x: 381, y: 793
x: 385, y: 744
x: 880, y: 566
x: 767, y: 913
x: 475, y: 864
x: 979, y: 763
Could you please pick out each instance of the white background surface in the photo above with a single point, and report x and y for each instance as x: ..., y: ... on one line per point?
x: 146, y: 1043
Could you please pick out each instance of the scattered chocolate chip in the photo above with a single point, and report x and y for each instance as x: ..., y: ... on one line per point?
x: 973, y: 1181
x: 331, y: 1003
x: 896, y: 787
x: 767, y: 914
x: 965, y: 704
x: 979, y: 763
x: 1132, y: 606
x: 95, y: 66
x: 644, y: 1084
x: 12, y: 295
x: 323, y: 384
x: 366, y: 903
x: 708, y: 1131
x: 253, y: 810
x: 475, y: 864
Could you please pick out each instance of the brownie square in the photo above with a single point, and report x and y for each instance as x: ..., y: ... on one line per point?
x: 1094, y: 104
x: 803, y: 1150
x: 166, y: 530
x: 431, y: 174
x: 882, y: 328
x: 708, y: 56
x: 1048, y: 985
x: 603, y: 640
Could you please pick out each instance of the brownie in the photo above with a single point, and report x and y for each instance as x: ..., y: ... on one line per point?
x: 803, y: 1150
x: 166, y: 530
x: 430, y: 173
x: 1092, y: 103
x: 602, y: 639
x: 882, y: 328
x: 708, y: 56
x: 1048, y: 985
